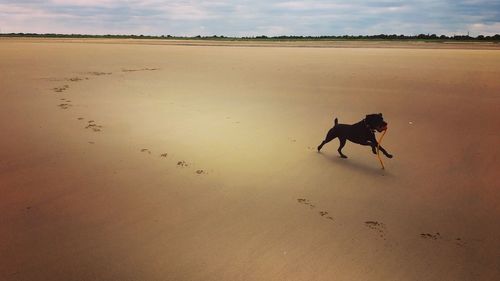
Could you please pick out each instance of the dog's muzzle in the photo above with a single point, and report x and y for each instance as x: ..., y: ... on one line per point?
x: 382, y: 128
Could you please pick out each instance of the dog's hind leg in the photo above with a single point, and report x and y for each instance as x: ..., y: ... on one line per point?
x: 342, y: 143
x: 321, y: 145
x: 329, y: 137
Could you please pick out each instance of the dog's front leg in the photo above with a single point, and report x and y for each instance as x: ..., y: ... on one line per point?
x: 374, y: 144
x: 385, y: 152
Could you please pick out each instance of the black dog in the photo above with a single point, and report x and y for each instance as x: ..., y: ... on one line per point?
x: 362, y: 133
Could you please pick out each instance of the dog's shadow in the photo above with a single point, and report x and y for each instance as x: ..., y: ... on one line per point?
x: 352, y: 164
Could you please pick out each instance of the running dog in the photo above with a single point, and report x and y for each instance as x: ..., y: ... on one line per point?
x: 362, y: 133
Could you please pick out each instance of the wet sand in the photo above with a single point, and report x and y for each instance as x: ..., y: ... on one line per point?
x: 126, y: 161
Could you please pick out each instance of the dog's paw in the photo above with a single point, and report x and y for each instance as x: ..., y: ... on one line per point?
x: 389, y: 155
x: 343, y: 156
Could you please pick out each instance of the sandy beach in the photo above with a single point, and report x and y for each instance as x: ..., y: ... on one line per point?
x: 146, y: 161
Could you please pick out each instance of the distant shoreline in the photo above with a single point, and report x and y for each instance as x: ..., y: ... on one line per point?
x: 338, y: 43
x: 383, y: 37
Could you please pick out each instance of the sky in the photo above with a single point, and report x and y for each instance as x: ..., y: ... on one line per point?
x: 251, y: 17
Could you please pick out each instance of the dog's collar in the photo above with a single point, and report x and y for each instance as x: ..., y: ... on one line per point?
x: 368, y: 127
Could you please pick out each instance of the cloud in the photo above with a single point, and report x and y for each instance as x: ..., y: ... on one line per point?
x: 248, y: 18
x: 484, y: 29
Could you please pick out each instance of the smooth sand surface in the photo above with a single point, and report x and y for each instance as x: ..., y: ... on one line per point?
x: 172, y: 162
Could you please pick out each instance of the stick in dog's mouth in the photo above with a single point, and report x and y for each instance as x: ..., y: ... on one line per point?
x: 382, y: 128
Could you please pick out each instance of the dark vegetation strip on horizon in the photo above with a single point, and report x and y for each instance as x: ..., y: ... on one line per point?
x: 431, y: 37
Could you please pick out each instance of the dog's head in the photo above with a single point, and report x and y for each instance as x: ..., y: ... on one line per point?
x: 375, y: 122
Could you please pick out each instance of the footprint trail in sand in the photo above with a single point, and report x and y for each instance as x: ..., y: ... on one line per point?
x: 438, y: 237
x: 308, y: 203
x: 91, y: 124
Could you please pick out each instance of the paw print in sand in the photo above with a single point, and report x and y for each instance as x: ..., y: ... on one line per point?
x: 97, y: 73
x: 325, y: 215
x: 76, y: 79
x: 60, y: 89
x: 93, y: 126
x: 377, y: 226
x: 430, y: 236
x: 437, y: 236
x: 305, y: 202
x: 64, y: 105
x: 139, y: 69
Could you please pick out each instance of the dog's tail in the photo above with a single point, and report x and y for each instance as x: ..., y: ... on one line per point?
x: 336, y: 121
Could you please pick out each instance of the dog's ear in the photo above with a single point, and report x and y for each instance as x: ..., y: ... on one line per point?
x: 380, y: 114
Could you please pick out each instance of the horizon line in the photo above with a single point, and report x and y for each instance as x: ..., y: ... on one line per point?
x: 168, y: 36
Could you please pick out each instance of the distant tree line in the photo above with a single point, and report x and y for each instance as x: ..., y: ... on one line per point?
x: 432, y: 37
